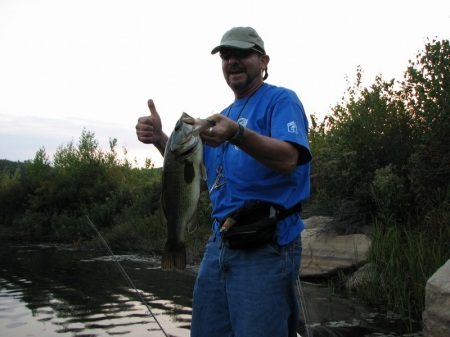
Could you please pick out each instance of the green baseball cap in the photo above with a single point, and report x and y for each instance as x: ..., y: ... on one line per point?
x: 240, y: 38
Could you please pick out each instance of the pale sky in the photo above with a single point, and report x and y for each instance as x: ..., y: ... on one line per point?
x: 66, y: 65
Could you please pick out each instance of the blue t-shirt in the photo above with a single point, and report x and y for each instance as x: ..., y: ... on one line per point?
x: 271, y: 111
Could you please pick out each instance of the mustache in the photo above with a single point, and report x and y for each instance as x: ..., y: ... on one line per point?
x: 235, y: 68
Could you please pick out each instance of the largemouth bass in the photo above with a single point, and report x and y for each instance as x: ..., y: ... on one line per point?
x: 182, y: 170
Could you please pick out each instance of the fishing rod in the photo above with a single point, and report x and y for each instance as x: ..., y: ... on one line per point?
x: 303, y: 306
x: 124, y: 273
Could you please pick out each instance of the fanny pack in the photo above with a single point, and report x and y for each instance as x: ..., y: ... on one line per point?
x: 252, y: 226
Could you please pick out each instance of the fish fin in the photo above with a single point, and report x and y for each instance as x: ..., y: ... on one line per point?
x: 174, y: 257
x: 203, y: 174
x: 162, y: 212
x: 192, y: 224
x: 188, y: 171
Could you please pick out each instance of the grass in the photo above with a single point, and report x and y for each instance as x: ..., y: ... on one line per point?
x: 404, y: 261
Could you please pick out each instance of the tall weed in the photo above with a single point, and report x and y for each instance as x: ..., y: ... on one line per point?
x: 404, y: 260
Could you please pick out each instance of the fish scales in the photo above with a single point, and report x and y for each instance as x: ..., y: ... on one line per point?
x: 182, y: 171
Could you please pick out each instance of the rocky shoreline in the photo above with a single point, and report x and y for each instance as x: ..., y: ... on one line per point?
x: 325, y: 253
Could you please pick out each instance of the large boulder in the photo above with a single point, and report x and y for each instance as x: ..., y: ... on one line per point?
x: 436, y: 317
x: 325, y: 252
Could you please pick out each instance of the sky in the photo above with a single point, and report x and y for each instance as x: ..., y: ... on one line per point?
x: 73, y: 65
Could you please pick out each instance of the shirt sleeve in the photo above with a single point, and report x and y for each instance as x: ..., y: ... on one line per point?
x: 289, y: 122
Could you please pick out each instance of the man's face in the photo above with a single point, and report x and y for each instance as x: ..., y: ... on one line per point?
x: 242, y: 69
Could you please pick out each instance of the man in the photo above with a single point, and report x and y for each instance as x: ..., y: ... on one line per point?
x: 256, y: 151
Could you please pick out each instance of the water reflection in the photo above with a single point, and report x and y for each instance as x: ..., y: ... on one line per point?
x: 50, y: 291
x: 47, y: 291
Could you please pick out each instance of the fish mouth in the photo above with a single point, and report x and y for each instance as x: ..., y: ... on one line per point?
x: 185, y: 138
x: 198, y: 125
x: 190, y: 149
x: 184, y: 149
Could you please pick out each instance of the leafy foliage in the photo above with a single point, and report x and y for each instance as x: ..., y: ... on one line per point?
x: 383, y: 157
x: 427, y: 93
x: 384, y: 152
x: 51, y: 202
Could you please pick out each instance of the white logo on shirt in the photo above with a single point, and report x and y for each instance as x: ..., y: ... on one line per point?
x: 292, y: 127
x: 242, y: 121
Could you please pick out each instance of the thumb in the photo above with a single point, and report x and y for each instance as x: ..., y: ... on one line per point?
x: 152, y: 108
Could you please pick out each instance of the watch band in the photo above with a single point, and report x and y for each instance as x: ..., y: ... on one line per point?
x: 238, y: 136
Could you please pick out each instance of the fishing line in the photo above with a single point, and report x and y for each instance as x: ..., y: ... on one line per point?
x: 124, y: 273
x: 303, y: 305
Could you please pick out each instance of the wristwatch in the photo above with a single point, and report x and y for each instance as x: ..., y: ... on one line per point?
x: 238, y: 136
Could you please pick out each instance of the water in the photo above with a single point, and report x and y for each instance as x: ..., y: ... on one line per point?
x: 50, y: 291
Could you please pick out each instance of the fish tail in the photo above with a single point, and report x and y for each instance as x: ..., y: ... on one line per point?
x: 174, y: 257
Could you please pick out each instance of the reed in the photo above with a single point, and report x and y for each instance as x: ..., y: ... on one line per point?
x: 404, y: 260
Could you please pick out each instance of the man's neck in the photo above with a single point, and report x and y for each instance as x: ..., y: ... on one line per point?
x: 251, y: 91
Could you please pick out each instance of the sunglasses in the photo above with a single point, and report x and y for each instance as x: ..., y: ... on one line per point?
x: 226, y: 54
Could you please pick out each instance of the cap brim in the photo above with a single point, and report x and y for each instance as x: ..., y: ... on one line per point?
x: 233, y: 44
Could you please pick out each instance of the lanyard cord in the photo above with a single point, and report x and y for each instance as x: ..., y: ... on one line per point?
x: 220, y: 171
x: 224, y: 147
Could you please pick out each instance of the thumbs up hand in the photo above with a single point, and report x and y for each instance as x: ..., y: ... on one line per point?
x: 149, y: 128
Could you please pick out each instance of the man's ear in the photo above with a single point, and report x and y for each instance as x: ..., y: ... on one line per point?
x: 265, y: 59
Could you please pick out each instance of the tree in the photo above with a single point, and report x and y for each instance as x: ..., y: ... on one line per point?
x: 426, y: 89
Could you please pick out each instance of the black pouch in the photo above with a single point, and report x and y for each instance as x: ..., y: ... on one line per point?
x: 252, y: 227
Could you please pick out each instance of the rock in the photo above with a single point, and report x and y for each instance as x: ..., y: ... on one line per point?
x: 360, y: 277
x: 324, y: 252
x: 317, y: 222
x: 436, y: 316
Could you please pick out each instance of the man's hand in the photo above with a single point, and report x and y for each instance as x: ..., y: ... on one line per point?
x: 149, y: 128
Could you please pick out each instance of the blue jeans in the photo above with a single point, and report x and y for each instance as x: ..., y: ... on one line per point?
x: 247, y: 293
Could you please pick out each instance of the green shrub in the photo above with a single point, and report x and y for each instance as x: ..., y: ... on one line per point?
x: 382, y: 156
x: 390, y: 193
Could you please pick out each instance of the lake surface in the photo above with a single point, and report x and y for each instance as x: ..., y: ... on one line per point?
x: 48, y: 291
